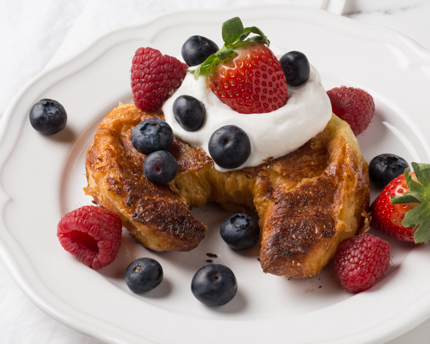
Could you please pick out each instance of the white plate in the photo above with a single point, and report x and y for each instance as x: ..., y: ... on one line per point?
x: 42, y: 178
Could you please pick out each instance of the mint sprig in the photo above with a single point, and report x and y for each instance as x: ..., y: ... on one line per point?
x: 233, y: 35
x: 418, y: 217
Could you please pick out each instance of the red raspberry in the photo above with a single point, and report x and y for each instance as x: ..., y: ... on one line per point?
x: 92, y: 234
x: 154, y: 78
x: 353, y: 105
x: 361, y: 261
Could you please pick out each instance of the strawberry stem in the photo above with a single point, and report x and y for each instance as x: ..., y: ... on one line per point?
x: 233, y: 35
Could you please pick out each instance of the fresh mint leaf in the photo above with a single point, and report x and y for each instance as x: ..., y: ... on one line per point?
x: 231, y: 29
x: 422, y: 233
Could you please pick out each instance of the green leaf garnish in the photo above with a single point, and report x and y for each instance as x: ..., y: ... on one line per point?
x: 422, y: 233
x: 234, y: 35
x: 231, y: 29
x: 419, y: 216
x: 416, y: 215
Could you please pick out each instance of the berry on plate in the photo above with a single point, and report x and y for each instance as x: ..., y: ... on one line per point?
x: 214, y: 285
x: 384, y: 168
x: 353, y: 105
x: 92, y: 234
x: 244, y: 73
x: 229, y: 146
x: 143, y: 275
x: 154, y: 78
x: 361, y: 261
x: 48, y: 116
x: 160, y: 167
x: 196, y: 49
x: 152, y: 135
x: 240, y: 231
x: 296, y: 68
x: 402, y: 209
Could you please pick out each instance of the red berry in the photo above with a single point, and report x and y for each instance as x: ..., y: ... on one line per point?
x: 388, y: 217
x: 250, y: 81
x: 361, y: 261
x: 92, y: 234
x: 353, y: 105
x: 154, y: 78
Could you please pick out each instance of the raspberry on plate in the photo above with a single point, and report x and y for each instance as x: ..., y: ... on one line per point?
x: 92, y: 234
x: 361, y: 261
x: 154, y: 78
x: 353, y: 105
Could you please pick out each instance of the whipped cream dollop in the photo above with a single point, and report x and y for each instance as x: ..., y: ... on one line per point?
x: 272, y: 134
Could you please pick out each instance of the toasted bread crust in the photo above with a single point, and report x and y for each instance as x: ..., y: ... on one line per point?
x: 308, y: 201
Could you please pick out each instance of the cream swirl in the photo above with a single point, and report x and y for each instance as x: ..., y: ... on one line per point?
x: 272, y: 134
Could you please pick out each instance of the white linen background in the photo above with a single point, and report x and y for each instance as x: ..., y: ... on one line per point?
x: 35, y: 35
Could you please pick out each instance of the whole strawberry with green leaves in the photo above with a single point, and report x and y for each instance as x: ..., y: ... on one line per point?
x: 402, y: 210
x: 244, y: 73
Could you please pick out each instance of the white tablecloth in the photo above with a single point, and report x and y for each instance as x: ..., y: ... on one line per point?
x: 35, y: 35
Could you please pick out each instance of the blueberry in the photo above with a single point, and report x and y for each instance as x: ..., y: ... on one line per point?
x: 160, y: 167
x: 384, y: 168
x: 229, y: 146
x: 152, y: 135
x: 48, y: 116
x: 189, y: 112
x: 144, y: 274
x: 197, y: 49
x: 296, y: 68
x: 240, y: 231
x: 214, y: 285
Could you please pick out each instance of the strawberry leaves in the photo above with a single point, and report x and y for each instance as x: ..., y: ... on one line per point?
x: 233, y: 35
x: 418, y: 217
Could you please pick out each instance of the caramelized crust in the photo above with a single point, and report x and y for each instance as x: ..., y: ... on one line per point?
x: 308, y: 201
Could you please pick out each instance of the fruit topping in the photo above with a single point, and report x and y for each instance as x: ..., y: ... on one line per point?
x: 152, y: 135
x: 160, y: 167
x: 353, y: 105
x: 244, y: 73
x: 154, y: 78
x: 214, y: 285
x: 361, y: 261
x: 143, y: 275
x: 196, y: 49
x: 48, y: 116
x: 229, y: 146
x: 384, y: 168
x: 189, y: 112
x: 402, y: 209
x: 296, y: 68
x: 92, y: 234
x: 240, y: 231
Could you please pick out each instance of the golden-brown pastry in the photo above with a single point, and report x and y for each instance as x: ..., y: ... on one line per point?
x: 308, y: 201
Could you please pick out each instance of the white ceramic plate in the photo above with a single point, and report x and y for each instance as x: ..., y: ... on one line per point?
x: 42, y: 179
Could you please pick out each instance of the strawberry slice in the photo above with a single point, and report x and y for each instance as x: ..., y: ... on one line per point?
x: 402, y: 209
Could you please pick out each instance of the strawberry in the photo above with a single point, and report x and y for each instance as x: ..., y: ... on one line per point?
x: 154, y: 78
x: 353, y: 105
x: 402, y: 209
x: 244, y: 73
